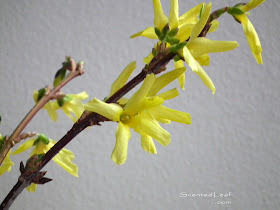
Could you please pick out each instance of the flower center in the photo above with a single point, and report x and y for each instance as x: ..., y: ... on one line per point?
x: 125, y: 118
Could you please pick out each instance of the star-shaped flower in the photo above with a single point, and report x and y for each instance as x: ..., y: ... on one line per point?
x: 142, y: 112
x: 70, y: 104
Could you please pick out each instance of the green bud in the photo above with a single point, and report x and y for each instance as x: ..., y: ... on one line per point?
x: 172, y: 41
x: 235, y: 11
x: 41, y: 93
x: 59, y: 76
x: 63, y: 100
x: 175, y: 48
x: 158, y: 32
x: 173, y: 32
x: 43, y: 138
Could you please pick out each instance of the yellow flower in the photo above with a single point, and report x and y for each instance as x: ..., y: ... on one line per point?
x: 249, y: 30
x: 7, y: 163
x: 188, y: 28
x: 142, y: 112
x: 42, y: 144
x: 70, y: 104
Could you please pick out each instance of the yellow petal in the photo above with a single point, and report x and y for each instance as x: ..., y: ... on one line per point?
x: 252, y: 37
x: 64, y: 159
x: 148, y: 145
x: 198, y: 69
x: 203, y: 60
x: 214, y: 26
x: 202, y: 45
x: 32, y: 187
x: 191, y: 15
x: 138, y: 97
x: 162, y: 112
x: 51, y: 107
x: 164, y: 80
x: 160, y: 20
x: 110, y: 111
x: 80, y: 96
x: 68, y: 113
x: 35, y: 95
x: 184, y: 32
x: 148, y: 32
x: 174, y: 15
x: 181, y: 78
x: 41, y: 148
x: 123, y: 135
x: 150, y: 102
x: 251, y: 5
x: 150, y: 127
x: 169, y: 94
x: 201, y: 23
x: 28, y: 144
x: 6, y: 165
x: 148, y: 59
x: 123, y: 77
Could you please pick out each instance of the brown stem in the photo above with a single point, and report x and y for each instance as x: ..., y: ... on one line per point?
x: 90, y: 118
x: 11, y: 141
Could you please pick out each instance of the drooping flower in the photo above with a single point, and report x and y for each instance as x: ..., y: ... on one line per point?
x: 186, y: 29
x: 142, y: 112
x: 70, y: 104
x: 248, y: 28
x: 7, y: 163
x: 42, y: 145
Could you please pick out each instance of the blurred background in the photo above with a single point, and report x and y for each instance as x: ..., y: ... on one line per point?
x: 232, y: 145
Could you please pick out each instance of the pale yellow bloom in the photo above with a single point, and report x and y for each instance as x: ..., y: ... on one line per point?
x: 41, y: 146
x: 71, y: 105
x: 249, y: 30
x: 142, y: 112
x: 7, y: 163
x: 189, y: 27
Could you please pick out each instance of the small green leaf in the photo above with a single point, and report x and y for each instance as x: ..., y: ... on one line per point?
x: 173, y: 32
x: 235, y: 11
x: 158, y: 32
x: 173, y: 41
x: 175, y: 48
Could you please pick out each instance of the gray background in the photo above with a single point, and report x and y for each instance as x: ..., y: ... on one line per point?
x: 231, y: 146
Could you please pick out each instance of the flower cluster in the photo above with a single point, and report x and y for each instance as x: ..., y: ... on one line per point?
x: 183, y: 35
